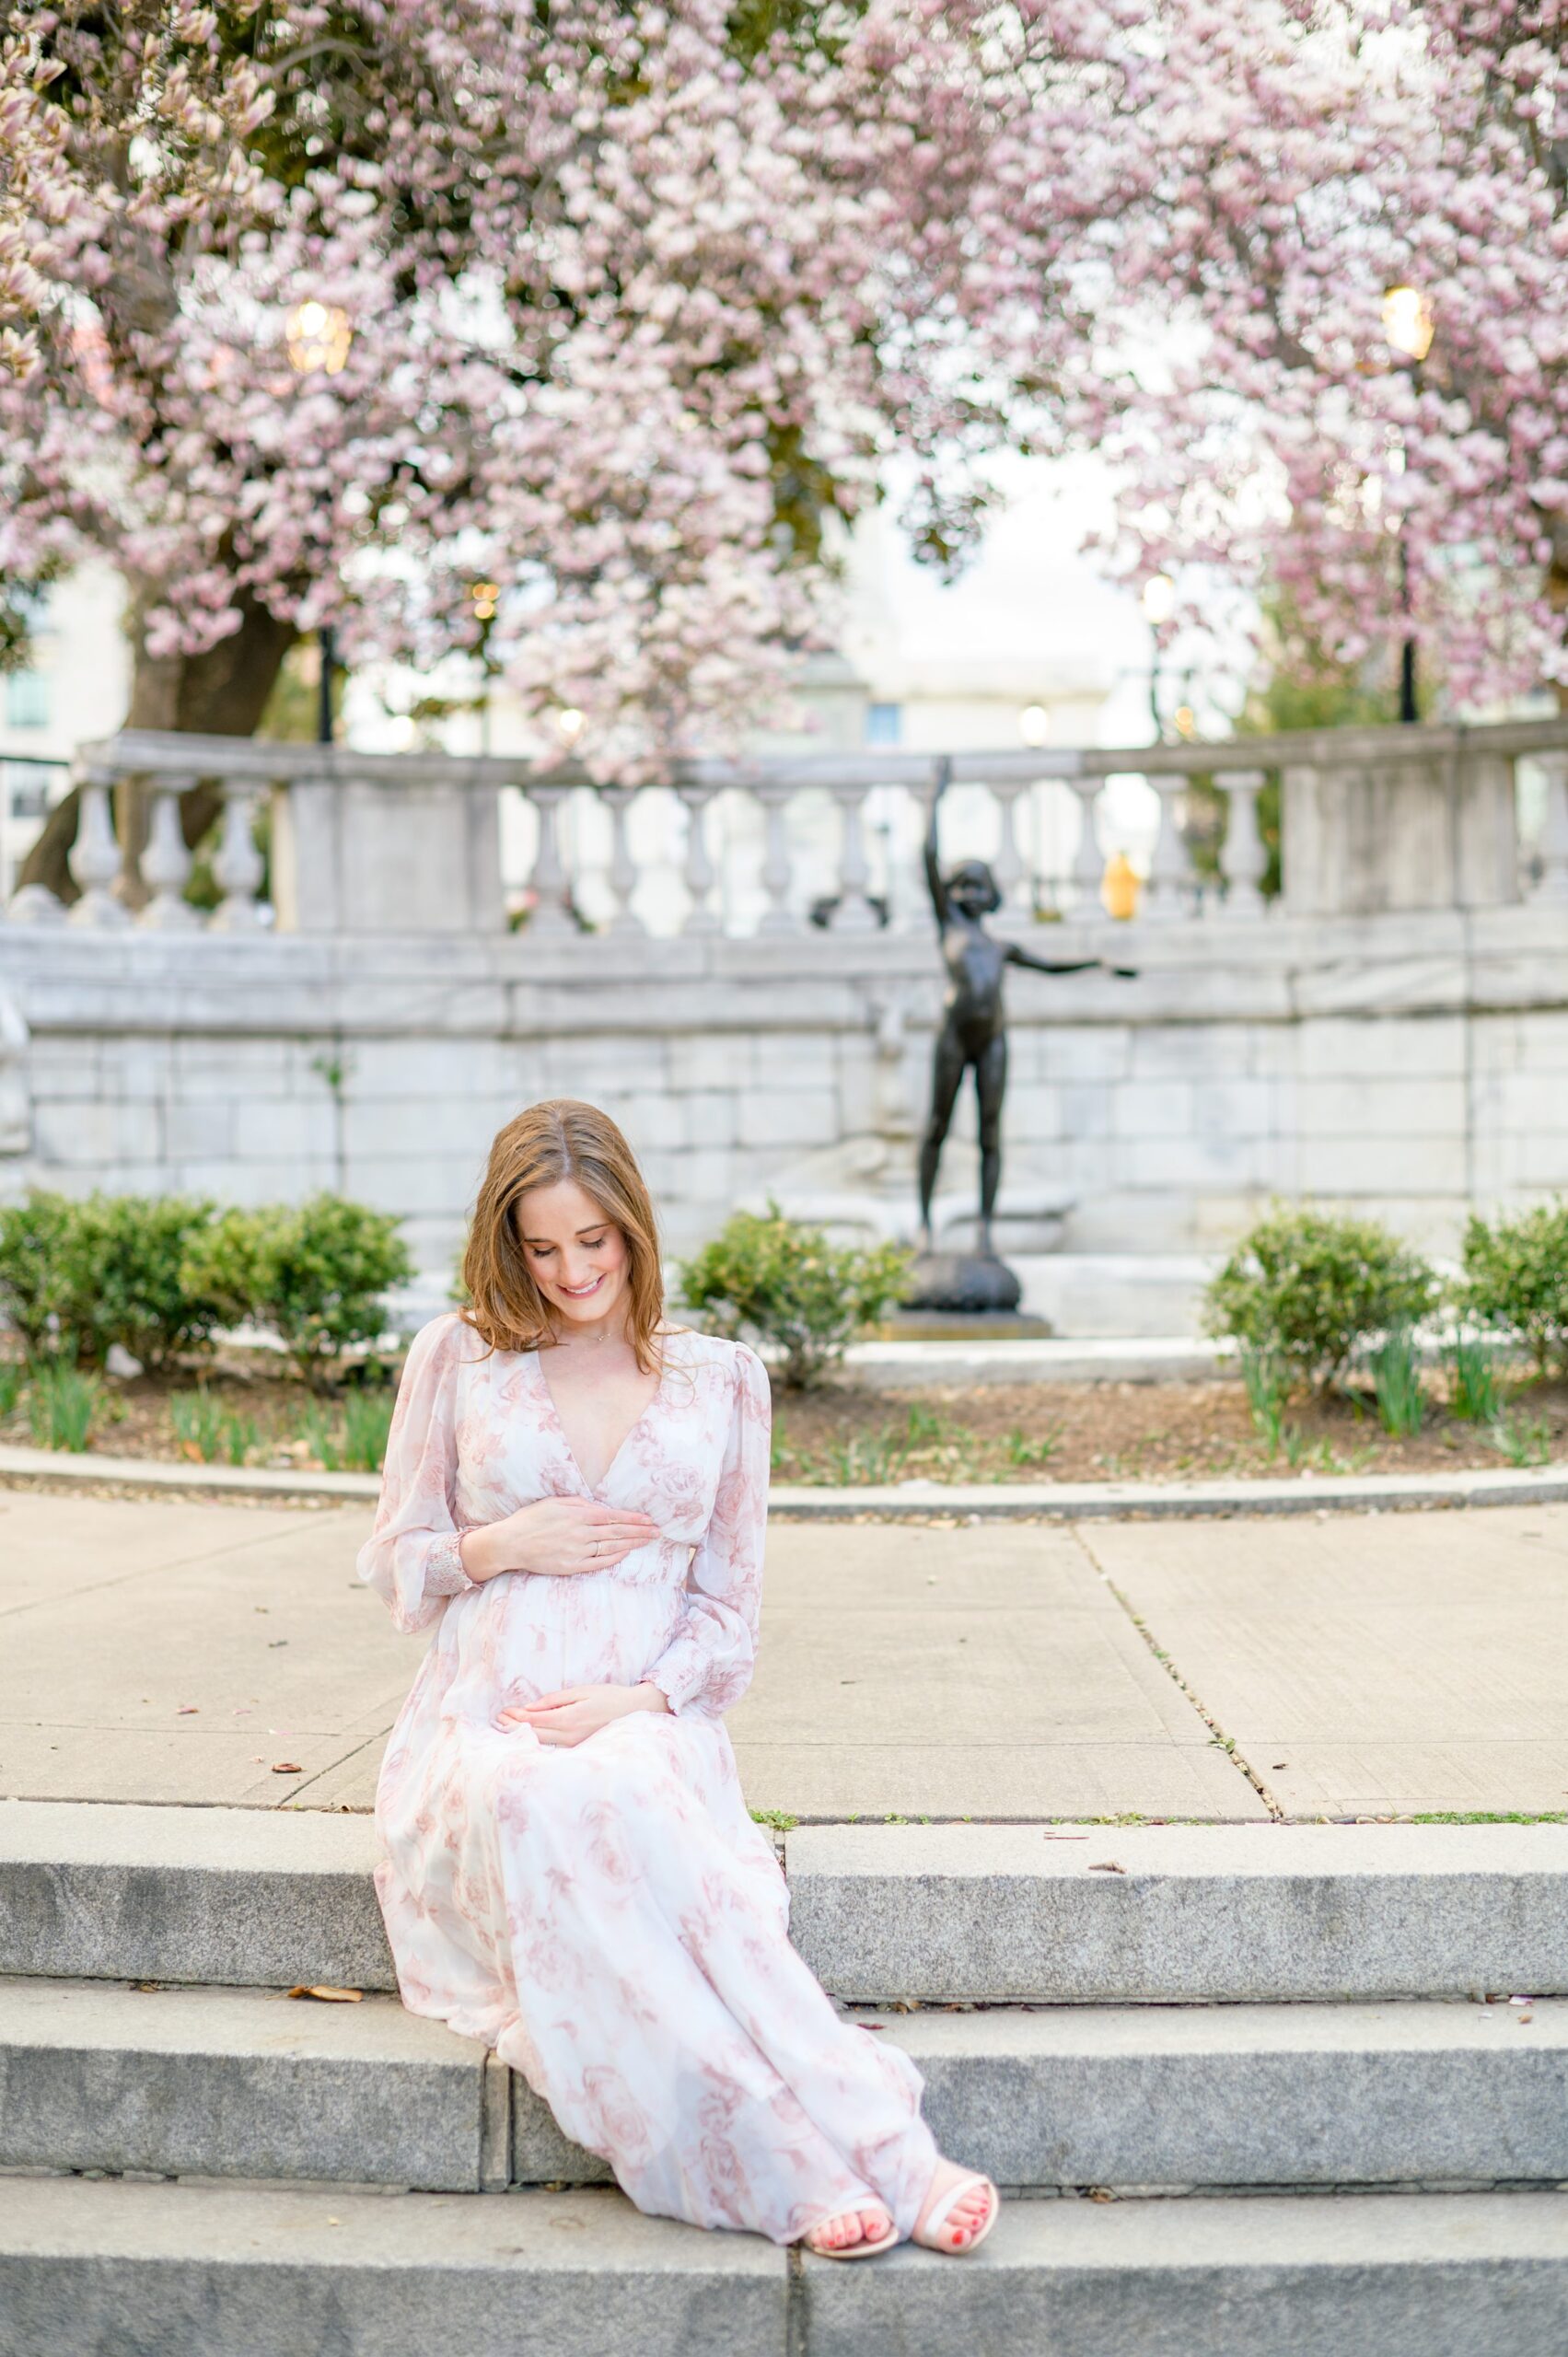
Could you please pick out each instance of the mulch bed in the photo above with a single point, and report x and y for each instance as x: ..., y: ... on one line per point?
x: 845, y: 1435
x: 1110, y: 1431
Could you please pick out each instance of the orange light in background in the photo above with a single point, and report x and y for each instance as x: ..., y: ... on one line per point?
x: 1158, y: 600
x: 318, y: 336
x: 485, y: 594
x: 1119, y: 887
x: 1408, y: 323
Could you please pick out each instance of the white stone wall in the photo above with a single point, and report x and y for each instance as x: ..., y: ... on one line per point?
x: 1408, y: 1066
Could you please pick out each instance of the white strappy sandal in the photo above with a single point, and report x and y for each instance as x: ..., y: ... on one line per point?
x: 861, y: 2250
x: 944, y: 2210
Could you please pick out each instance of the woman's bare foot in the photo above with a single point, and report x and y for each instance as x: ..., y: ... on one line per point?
x: 967, y: 2216
x: 871, y: 2223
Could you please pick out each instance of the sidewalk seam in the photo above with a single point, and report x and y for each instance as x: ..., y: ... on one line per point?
x: 1225, y: 1742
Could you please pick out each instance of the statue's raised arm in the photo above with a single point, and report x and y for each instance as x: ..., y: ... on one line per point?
x: 1016, y: 956
x: 934, y: 885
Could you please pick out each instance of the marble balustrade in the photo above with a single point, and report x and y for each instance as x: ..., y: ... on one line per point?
x: 1374, y: 822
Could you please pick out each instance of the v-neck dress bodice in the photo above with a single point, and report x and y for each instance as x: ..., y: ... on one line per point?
x: 606, y: 1915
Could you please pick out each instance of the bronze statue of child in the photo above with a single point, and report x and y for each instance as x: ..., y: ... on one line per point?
x: 973, y: 1033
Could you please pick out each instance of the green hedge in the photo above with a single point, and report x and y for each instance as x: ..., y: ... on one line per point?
x: 314, y: 1274
x: 158, y: 1274
x: 1310, y: 1289
x: 787, y: 1285
x: 1515, y: 1280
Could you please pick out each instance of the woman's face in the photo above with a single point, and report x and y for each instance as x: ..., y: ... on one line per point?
x: 575, y: 1256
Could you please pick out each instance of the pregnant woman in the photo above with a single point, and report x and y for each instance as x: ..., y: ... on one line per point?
x: 575, y: 1498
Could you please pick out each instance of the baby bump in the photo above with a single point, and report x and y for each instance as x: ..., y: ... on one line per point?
x: 523, y: 1635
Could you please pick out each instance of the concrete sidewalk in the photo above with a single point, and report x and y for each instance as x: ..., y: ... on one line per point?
x: 204, y: 1653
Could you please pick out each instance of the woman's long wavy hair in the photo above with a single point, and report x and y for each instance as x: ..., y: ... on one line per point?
x: 563, y: 1138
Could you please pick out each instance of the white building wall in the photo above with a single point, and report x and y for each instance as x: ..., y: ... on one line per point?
x: 76, y: 687
x: 1410, y: 1067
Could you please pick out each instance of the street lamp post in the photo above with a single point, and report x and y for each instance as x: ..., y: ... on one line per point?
x: 318, y: 338
x: 327, y: 648
x: 1158, y: 602
x: 1407, y: 329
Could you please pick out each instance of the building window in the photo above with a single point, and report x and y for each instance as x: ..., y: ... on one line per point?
x: 26, y: 699
x: 884, y: 724
x: 27, y: 787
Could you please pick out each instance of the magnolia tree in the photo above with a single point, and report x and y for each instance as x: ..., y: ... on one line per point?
x: 1327, y: 302
x: 347, y: 310
x: 344, y: 312
x: 30, y: 136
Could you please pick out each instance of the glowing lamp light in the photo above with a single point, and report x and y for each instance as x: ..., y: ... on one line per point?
x: 485, y: 594
x: 569, y: 721
x: 318, y: 336
x: 1408, y: 323
x: 1158, y: 600
x: 1120, y: 888
x: 1034, y: 724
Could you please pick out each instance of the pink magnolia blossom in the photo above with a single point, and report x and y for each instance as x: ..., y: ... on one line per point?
x: 1282, y: 166
x: 621, y: 317
x: 619, y: 314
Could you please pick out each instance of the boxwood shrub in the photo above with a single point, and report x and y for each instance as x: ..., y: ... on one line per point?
x: 159, y: 1274
x: 784, y: 1285
x: 1309, y: 1289
x: 1515, y: 1280
x: 314, y: 1274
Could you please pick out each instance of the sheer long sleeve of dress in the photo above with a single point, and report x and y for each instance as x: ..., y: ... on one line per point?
x: 606, y: 1916
x: 412, y: 1562
x: 707, y: 1664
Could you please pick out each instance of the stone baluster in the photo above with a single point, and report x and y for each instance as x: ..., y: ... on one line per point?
x: 548, y: 882
x: 854, y: 913
x: 699, y: 869
x: 778, y: 870
x: 618, y: 800
x: 166, y: 862
x: 1009, y: 867
x: 95, y: 858
x: 1088, y: 860
x: 1243, y: 856
x: 1171, y: 891
x: 34, y: 904
x: 240, y: 867
x: 1553, y: 884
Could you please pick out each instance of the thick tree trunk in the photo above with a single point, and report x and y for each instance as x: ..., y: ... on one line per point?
x: 221, y: 693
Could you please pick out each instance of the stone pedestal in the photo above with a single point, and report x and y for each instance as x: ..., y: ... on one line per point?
x: 970, y: 1284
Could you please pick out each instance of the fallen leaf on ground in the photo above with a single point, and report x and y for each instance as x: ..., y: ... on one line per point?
x: 1107, y: 1866
x: 188, y: 1711
x: 330, y: 1996
x: 287, y: 1767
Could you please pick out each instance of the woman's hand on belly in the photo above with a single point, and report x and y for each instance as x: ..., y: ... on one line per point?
x: 577, y: 1711
x: 556, y: 1536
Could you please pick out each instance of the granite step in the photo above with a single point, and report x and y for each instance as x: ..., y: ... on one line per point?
x: 1170, y: 1914
x: 198, y: 2269
x: 111, y: 2269
x: 1319, y: 2275
x: 250, y: 1898
x: 232, y: 2083
x: 993, y: 1914
x: 242, y: 2082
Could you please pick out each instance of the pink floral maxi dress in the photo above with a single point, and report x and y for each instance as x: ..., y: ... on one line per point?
x: 606, y: 1916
